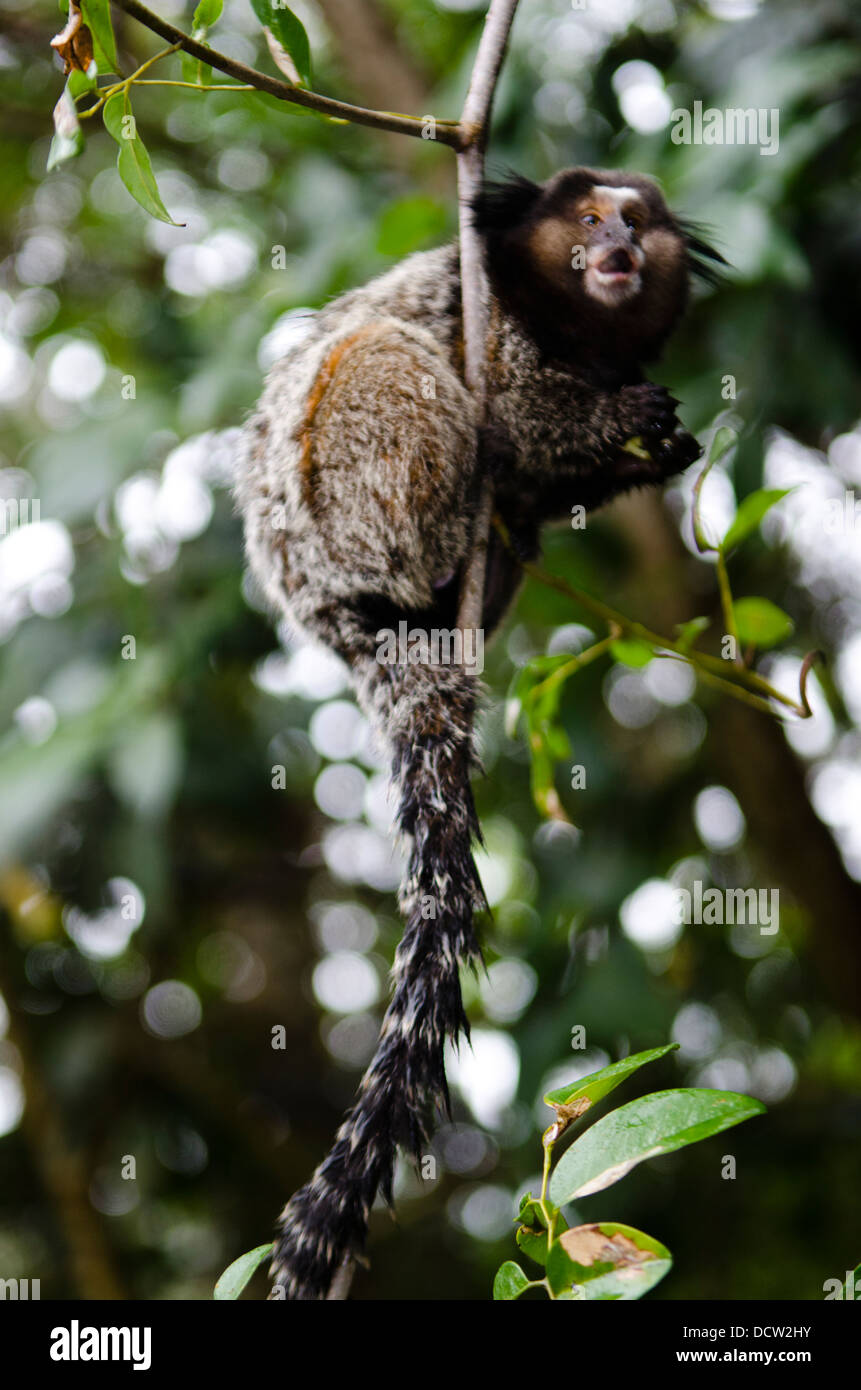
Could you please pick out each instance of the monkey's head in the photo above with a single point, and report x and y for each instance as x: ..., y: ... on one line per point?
x: 592, y: 261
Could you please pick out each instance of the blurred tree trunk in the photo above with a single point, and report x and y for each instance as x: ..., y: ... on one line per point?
x: 387, y: 77
x: 763, y: 772
x: 383, y: 75
x: 61, y: 1167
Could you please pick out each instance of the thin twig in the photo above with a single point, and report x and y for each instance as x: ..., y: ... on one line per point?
x: 445, y: 133
x: 194, y: 86
x: 105, y: 93
x: 727, y: 606
x: 744, y: 684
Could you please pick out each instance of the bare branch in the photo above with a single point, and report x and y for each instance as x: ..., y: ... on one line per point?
x: 475, y: 121
x: 446, y: 132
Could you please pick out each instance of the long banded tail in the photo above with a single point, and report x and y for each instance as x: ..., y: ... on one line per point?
x: 431, y: 709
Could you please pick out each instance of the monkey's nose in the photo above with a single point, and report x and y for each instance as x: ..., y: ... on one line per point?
x: 618, y: 262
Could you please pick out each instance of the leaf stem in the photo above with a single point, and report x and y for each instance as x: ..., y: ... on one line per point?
x: 727, y: 606
x: 106, y: 93
x: 738, y: 681
x: 581, y: 659
x: 548, y: 1211
x: 197, y: 86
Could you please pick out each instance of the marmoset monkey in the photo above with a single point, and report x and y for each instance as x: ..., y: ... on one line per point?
x: 359, y: 477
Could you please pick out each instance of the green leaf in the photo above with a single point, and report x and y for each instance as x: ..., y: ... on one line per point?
x: 521, y: 689
x: 514, y: 701
x: 750, y: 514
x: 600, y: 1083
x: 655, y: 1124
x: 533, y: 1243
x: 510, y: 1282
x: 530, y: 1213
x: 535, y: 693
x: 539, y: 667
x: 79, y: 82
x: 546, y: 746
x: 290, y: 33
x: 723, y: 441
x: 531, y: 1235
x: 760, y: 623
x: 631, y: 652
x: 690, y: 631
x: 237, y: 1275
x: 68, y: 138
x: 64, y: 147
x: 207, y: 13
x: 604, y: 1261
x: 133, y: 161
x: 97, y: 17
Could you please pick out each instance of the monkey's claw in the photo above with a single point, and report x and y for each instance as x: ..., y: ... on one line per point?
x: 650, y: 410
x: 677, y: 452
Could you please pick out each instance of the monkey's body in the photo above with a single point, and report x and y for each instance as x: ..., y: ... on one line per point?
x: 356, y: 479
x: 359, y: 479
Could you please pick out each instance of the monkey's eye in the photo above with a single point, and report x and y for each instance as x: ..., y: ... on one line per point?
x: 590, y: 219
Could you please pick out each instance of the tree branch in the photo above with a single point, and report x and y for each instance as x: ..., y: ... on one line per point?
x: 474, y: 299
x: 446, y: 132
x: 474, y: 122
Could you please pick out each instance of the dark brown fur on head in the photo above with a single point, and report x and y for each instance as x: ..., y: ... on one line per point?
x: 592, y: 262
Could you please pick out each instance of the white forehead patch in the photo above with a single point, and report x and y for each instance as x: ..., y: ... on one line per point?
x: 617, y: 195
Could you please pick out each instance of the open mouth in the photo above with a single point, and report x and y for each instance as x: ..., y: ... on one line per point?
x: 617, y: 266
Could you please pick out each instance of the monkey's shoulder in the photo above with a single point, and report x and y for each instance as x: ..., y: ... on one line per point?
x: 424, y: 289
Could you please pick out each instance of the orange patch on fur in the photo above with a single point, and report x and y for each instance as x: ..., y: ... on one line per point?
x: 322, y: 382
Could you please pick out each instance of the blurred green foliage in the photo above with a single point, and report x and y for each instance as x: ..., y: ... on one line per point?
x: 140, y: 773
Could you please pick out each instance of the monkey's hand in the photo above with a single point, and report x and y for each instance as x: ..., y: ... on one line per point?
x: 639, y: 466
x: 660, y: 441
x: 647, y: 411
x: 675, y: 453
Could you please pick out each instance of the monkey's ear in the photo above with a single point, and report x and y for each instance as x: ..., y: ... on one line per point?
x: 701, y: 253
x: 501, y: 205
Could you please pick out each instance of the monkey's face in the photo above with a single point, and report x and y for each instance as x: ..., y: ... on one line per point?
x: 592, y: 260
x: 609, y: 223
x: 611, y: 238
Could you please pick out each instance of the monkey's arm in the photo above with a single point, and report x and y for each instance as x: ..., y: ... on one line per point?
x: 556, y: 442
